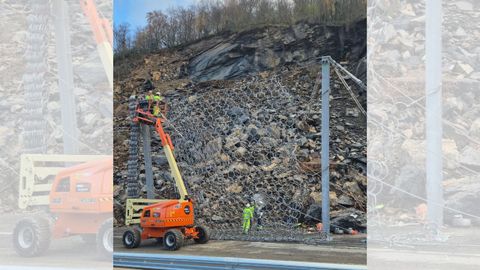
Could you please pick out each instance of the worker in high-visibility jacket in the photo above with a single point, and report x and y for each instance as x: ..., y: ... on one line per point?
x: 150, y: 98
x: 156, y: 110
x: 156, y: 105
x: 247, y: 217
x: 157, y: 98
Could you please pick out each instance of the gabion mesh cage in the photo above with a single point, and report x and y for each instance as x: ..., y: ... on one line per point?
x: 241, y: 144
x: 254, y: 140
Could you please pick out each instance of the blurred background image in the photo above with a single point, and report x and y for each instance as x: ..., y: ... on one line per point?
x: 56, y: 163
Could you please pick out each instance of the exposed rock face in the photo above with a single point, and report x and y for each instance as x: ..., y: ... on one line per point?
x: 255, y: 138
x: 264, y: 49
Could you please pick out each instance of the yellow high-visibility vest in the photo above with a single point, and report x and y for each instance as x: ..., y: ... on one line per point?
x: 156, y: 111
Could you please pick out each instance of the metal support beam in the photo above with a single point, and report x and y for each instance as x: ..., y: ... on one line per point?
x: 433, y: 92
x: 148, y: 160
x: 325, y: 145
x: 65, y: 77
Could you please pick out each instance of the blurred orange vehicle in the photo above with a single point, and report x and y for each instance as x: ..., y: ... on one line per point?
x: 79, y: 202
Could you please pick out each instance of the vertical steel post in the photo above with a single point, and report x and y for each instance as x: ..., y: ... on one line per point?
x: 325, y: 145
x: 433, y: 92
x: 65, y: 77
x: 147, y: 155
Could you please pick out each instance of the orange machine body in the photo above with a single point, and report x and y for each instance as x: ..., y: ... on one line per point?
x: 81, y: 198
x: 158, y: 218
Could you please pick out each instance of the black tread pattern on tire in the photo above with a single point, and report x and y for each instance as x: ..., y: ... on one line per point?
x: 137, y: 238
x: 42, y: 236
x: 205, y: 237
x: 106, y: 225
x: 178, y: 239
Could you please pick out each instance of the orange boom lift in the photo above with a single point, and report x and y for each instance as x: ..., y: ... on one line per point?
x: 168, y: 221
x: 78, y: 201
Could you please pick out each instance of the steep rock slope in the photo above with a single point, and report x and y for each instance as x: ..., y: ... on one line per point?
x: 245, y: 120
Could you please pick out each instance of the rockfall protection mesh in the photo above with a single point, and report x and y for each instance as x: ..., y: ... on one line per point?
x: 241, y: 146
x: 132, y: 173
x: 254, y: 140
x: 34, y: 77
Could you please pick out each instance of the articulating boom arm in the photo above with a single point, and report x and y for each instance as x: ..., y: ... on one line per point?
x: 146, y: 118
x: 103, y: 33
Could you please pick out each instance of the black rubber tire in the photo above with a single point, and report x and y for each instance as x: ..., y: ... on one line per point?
x: 203, y: 234
x: 173, y: 239
x: 89, y: 238
x: 105, y: 239
x: 38, y: 233
x: 132, y: 238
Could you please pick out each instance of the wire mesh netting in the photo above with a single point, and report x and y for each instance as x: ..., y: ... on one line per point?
x: 255, y: 141
x: 240, y: 145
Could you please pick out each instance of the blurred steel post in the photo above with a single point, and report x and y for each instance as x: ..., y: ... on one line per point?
x: 325, y: 145
x: 65, y: 77
x: 433, y: 92
x: 147, y: 155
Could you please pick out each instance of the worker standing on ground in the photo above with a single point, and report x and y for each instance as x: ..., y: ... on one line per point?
x: 252, y: 208
x: 247, y: 217
x: 258, y: 213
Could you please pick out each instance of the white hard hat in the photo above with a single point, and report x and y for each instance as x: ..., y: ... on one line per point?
x: 248, y: 205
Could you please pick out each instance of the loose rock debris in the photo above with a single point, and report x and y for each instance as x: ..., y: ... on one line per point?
x: 255, y: 136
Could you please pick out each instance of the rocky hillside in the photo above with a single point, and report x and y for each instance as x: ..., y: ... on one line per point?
x: 245, y: 121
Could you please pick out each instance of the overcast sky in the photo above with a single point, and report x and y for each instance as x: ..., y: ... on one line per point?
x: 134, y: 11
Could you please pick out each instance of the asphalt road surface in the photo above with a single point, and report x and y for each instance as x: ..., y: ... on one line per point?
x: 343, y: 250
x: 65, y: 253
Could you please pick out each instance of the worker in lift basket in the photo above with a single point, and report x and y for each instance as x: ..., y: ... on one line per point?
x: 156, y: 107
x: 150, y: 98
x: 247, y: 217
